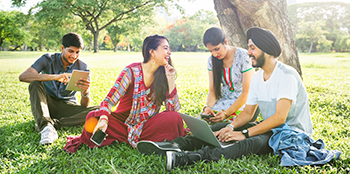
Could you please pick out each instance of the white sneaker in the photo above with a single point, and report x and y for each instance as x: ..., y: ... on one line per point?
x: 48, y: 135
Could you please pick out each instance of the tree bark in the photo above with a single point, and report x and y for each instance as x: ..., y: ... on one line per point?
x: 42, y: 43
x: 90, y: 45
x: 96, y: 33
x: 311, y: 44
x: 115, y: 48
x: 237, y: 16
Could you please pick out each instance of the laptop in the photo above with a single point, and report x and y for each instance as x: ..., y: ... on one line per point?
x: 201, y: 130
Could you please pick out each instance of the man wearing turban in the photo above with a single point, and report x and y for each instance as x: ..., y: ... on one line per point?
x: 277, y: 89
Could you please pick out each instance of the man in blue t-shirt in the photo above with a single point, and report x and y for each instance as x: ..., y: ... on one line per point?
x: 52, y: 105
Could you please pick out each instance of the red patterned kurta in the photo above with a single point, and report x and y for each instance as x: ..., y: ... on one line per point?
x: 135, y: 112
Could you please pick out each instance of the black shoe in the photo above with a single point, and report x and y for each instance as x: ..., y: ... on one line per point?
x: 159, y: 148
x: 177, y: 159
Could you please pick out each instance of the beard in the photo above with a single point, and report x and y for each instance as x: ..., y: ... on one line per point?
x: 260, y: 61
x: 65, y: 59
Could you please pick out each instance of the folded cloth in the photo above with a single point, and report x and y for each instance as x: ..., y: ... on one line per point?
x: 297, y: 148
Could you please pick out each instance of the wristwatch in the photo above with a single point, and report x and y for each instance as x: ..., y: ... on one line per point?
x: 245, y: 133
x: 231, y: 126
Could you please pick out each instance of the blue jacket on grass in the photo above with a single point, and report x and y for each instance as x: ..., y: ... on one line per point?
x: 297, y: 148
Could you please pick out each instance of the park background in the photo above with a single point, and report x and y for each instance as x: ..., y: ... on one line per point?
x: 321, y: 32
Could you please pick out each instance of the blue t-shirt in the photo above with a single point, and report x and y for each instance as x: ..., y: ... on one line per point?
x: 52, y: 64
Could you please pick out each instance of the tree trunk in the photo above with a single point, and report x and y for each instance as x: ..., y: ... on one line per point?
x: 115, y: 48
x: 42, y: 43
x: 115, y: 45
x: 237, y: 16
x: 90, y: 45
x: 311, y: 44
x: 96, y: 33
x: 1, y: 41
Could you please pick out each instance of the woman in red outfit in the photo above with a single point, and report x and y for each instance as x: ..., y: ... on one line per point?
x: 139, y: 92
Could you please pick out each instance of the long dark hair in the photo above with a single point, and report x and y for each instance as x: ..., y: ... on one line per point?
x: 160, y: 83
x: 215, y: 36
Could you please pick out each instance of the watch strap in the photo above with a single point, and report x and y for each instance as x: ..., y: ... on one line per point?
x: 245, y: 133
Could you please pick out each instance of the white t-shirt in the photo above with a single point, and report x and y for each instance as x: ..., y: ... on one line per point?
x: 284, y: 82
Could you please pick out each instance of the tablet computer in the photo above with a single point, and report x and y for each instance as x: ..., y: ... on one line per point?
x: 76, y: 75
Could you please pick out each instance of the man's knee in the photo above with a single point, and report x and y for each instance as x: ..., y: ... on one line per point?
x: 34, y: 85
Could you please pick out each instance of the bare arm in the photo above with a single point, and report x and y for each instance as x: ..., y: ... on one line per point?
x: 211, y: 99
x: 282, y: 109
x: 84, y: 84
x: 170, y: 74
x: 31, y: 74
x: 220, y: 116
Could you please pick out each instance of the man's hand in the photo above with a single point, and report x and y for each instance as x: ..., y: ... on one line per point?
x: 83, y: 84
x: 227, y: 134
x: 63, y: 78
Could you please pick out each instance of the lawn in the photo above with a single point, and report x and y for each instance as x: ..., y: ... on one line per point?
x: 326, y: 77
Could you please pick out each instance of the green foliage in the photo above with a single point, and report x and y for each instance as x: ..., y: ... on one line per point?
x: 96, y: 15
x: 320, y: 26
x: 12, y: 28
x: 313, y: 34
x: 186, y: 34
x: 325, y: 79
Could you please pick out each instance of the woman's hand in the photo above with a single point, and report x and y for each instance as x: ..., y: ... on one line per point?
x: 218, y: 117
x: 102, y: 123
x: 170, y: 75
x: 208, y: 111
x: 169, y: 70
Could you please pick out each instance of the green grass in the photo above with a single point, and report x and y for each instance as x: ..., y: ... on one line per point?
x: 326, y: 78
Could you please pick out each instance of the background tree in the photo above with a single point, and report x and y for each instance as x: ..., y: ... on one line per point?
x: 236, y: 16
x: 13, y: 29
x: 186, y: 34
x: 313, y: 34
x: 96, y: 15
x: 332, y: 19
x: 132, y: 26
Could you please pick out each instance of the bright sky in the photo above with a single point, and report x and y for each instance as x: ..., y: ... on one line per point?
x: 190, y: 7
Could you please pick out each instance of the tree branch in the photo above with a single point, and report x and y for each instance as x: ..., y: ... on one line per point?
x: 120, y: 16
